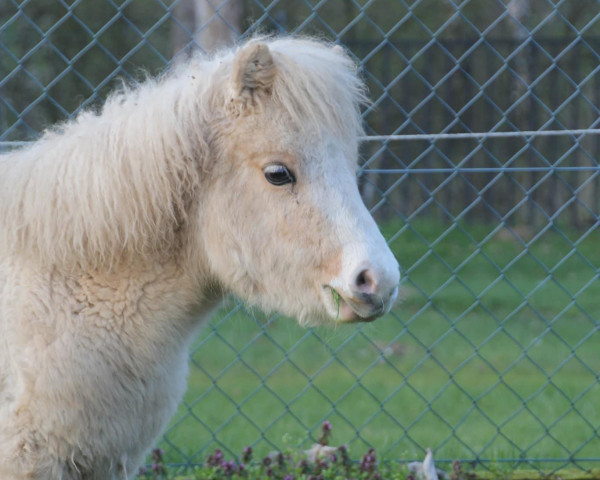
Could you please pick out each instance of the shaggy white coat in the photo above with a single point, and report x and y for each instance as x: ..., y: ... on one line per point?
x: 121, y: 230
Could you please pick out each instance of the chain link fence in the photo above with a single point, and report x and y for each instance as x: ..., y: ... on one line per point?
x: 481, y: 167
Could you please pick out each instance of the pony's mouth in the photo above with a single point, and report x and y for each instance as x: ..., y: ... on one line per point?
x: 361, y: 308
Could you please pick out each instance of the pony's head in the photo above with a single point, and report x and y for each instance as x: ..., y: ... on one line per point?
x: 282, y: 222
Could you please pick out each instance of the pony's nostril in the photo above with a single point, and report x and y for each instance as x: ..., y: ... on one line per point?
x: 365, y: 282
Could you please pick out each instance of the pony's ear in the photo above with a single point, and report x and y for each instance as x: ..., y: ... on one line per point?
x: 253, y: 71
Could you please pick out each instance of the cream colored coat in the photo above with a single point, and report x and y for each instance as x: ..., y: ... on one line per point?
x: 121, y: 230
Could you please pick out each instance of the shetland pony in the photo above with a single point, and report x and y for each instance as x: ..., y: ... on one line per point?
x: 121, y: 230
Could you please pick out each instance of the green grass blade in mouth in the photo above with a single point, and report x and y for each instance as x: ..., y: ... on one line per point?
x: 337, y: 299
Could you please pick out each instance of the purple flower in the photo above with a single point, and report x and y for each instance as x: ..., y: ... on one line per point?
x: 215, y: 459
x: 228, y: 467
x: 247, y: 454
x: 157, y: 455
x: 325, y: 432
x: 369, y: 461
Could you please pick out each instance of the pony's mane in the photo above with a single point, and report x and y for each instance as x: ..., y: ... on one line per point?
x: 111, y: 184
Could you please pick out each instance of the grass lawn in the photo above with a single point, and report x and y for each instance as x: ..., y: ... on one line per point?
x: 493, y: 354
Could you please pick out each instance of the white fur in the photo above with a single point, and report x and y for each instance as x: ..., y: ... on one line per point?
x: 121, y: 230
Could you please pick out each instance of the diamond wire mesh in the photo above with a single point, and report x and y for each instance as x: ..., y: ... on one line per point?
x: 493, y: 355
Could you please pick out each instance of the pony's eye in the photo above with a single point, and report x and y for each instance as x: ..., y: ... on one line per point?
x: 278, y: 174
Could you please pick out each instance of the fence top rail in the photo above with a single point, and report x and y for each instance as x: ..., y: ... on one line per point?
x: 459, y: 169
x: 480, y: 135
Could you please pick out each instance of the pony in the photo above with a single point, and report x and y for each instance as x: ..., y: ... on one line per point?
x: 122, y: 229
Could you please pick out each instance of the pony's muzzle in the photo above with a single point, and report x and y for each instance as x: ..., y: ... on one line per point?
x: 366, y: 285
x: 369, y: 306
x: 369, y: 295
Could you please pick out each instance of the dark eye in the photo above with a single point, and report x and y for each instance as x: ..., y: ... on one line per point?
x: 278, y: 174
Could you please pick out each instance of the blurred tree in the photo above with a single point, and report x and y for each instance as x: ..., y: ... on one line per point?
x: 210, y: 24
